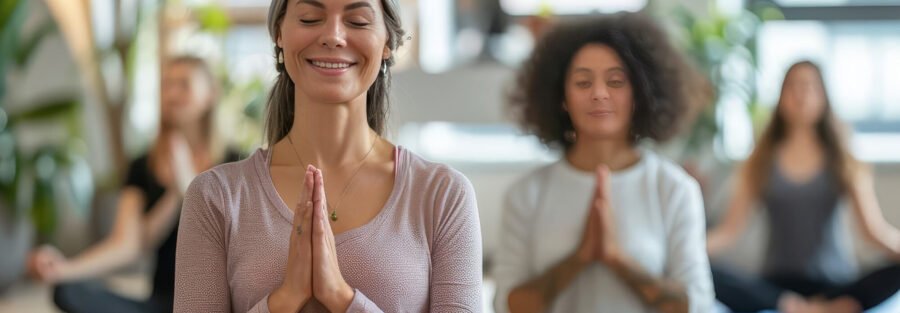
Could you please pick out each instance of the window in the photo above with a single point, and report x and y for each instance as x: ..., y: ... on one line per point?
x: 860, y: 65
x: 570, y: 7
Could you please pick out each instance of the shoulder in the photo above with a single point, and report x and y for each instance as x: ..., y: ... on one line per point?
x: 220, y: 181
x: 679, y: 193
x: 670, y: 176
x: 530, y: 183
x: 434, y: 176
x: 523, y: 195
x: 442, y: 188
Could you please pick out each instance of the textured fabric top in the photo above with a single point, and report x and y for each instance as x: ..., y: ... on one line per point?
x: 421, y: 253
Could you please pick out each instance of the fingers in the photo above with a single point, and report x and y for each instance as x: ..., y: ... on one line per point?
x: 324, y: 205
x: 602, y: 187
x: 320, y: 216
x: 182, y: 160
x: 44, y: 266
x: 308, y: 203
x: 318, y: 204
x: 304, y: 200
x: 319, y: 191
x: 302, y: 213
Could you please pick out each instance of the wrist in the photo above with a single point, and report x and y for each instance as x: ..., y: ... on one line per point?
x: 61, y: 272
x: 612, y: 256
x: 579, y: 261
x: 339, y: 300
x: 283, y: 300
x: 616, y: 262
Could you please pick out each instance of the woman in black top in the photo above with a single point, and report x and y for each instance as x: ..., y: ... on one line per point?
x: 150, y: 201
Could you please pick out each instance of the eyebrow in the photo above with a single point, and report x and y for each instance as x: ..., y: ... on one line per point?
x: 587, y: 70
x: 582, y: 69
x: 352, y: 6
x: 616, y: 69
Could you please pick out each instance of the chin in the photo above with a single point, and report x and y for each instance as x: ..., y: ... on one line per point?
x: 332, y: 95
x: 602, y: 134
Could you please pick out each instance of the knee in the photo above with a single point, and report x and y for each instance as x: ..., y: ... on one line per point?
x: 65, y: 295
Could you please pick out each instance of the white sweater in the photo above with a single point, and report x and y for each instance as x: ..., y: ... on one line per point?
x: 659, y: 220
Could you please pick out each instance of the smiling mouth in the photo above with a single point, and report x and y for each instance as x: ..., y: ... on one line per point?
x: 330, y: 65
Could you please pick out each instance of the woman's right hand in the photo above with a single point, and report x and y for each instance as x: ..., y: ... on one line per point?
x: 47, y: 264
x: 296, y: 288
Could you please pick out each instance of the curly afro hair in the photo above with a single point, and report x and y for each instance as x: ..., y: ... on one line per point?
x: 666, y: 89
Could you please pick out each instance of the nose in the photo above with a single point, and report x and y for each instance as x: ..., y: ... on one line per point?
x: 334, y: 35
x: 601, y: 92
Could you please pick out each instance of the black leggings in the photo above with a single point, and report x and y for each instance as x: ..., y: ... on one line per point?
x: 94, y: 297
x: 745, y: 293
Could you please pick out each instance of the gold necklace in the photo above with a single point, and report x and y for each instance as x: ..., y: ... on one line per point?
x: 362, y: 163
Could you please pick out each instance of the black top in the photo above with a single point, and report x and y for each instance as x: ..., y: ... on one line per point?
x: 141, y: 177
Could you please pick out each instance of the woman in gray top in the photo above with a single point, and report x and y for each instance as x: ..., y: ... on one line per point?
x: 799, y: 170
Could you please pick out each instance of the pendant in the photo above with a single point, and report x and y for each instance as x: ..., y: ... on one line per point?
x: 334, y: 216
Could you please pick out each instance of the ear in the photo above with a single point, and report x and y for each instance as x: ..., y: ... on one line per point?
x: 386, y: 54
x: 278, y: 36
x: 565, y: 107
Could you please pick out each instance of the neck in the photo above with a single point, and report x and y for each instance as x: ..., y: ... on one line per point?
x: 588, y: 154
x: 801, y: 135
x: 331, y: 135
x: 195, y: 136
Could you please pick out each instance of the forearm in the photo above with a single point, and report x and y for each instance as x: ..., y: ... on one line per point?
x: 104, y: 257
x: 887, y: 238
x: 718, y: 239
x: 538, y: 294
x: 160, y: 220
x: 281, y: 302
x: 665, y: 296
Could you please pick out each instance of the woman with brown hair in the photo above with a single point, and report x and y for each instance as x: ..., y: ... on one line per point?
x: 150, y: 201
x: 611, y: 227
x: 799, y: 170
x: 387, y: 231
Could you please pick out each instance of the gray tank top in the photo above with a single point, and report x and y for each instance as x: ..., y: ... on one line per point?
x: 803, y: 237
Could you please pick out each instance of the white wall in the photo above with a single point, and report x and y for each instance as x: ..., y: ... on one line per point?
x: 475, y: 95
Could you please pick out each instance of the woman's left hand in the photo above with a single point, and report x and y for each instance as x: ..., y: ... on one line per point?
x: 181, y: 160
x: 329, y: 286
x: 607, y: 249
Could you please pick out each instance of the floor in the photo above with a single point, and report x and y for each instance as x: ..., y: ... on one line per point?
x: 32, y: 297
x: 36, y: 298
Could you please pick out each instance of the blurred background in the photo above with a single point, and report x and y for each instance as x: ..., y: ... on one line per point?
x: 80, y: 94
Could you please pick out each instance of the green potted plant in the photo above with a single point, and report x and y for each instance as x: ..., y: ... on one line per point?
x: 36, y: 176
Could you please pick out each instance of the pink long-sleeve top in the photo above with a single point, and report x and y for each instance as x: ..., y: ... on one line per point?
x: 421, y: 253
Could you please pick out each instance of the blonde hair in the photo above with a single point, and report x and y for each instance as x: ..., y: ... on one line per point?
x: 210, y: 127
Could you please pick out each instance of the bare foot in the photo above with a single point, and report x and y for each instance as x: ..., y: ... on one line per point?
x: 790, y: 302
x: 843, y: 304
x: 816, y: 305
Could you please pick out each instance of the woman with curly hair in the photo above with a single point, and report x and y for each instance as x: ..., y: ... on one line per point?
x: 610, y: 227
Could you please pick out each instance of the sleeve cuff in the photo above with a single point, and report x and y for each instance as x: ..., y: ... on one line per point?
x: 262, y: 306
x: 361, y: 304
